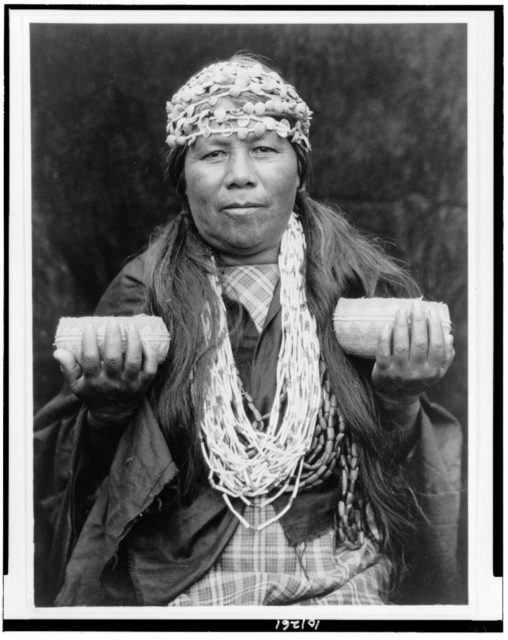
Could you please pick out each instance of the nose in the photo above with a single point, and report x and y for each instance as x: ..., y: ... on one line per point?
x: 240, y: 170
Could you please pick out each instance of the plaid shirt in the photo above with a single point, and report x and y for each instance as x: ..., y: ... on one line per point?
x: 253, y: 286
x: 261, y: 568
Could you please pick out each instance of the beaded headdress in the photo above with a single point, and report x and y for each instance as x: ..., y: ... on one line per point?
x: 263, y: 102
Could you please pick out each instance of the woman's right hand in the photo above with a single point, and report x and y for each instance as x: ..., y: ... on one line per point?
x: 111, y: 384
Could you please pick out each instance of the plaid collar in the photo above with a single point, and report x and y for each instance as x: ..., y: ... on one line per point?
x: 252, y: 286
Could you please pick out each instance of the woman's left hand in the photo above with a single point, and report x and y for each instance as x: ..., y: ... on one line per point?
x: 411, y: 357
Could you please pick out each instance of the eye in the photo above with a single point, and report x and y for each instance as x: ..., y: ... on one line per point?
x: 214, y: 154
x: 262, y: 149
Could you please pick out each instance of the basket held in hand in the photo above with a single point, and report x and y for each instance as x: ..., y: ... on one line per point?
x: 152, y: 331
x: 358, y: 322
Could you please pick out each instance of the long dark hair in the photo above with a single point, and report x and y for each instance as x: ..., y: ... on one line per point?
x: 340, y: 261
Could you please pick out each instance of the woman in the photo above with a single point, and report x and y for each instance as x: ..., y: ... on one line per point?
x: 259, y: 464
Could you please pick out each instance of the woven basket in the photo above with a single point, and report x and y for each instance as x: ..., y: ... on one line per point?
x: 358, y: 322
x: 152, y: 331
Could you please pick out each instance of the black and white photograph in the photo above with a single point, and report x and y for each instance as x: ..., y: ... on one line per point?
x: 250, y: 262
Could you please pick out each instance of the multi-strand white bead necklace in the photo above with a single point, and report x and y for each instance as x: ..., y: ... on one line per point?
x: 245, y: 461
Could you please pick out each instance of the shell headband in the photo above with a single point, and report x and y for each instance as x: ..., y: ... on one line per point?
x: 270, y: 102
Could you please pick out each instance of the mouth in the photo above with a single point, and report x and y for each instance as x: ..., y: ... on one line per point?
x: 240, y: 206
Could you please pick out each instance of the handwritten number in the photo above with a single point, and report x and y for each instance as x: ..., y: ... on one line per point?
x: 297, y: 624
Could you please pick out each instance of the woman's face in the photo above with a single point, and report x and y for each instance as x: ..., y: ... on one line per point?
x: 241, y: 194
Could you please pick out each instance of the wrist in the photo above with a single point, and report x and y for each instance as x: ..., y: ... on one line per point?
x: 400, y: 412
x: 398, y: 401
x: 103, y: 420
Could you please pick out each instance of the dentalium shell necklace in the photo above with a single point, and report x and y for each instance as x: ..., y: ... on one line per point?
x: 244, y: 461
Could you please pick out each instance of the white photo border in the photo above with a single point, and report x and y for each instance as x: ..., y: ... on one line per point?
x: 484, y: 590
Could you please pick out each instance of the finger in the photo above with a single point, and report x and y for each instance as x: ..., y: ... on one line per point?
x: 401, y: 339
x: 437, y: 352
x: 150, y: 362
x: 384, y: 349
x: 133, y: 353
x: 90, y: 357
x: 449, y: 353
x: 112, y: 350
x: 68, y: 365
x: 419, y: 338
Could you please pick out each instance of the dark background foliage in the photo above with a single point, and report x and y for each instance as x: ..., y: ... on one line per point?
x: 389, y: 146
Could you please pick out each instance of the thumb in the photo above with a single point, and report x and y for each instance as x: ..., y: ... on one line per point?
x: 68, y: 364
